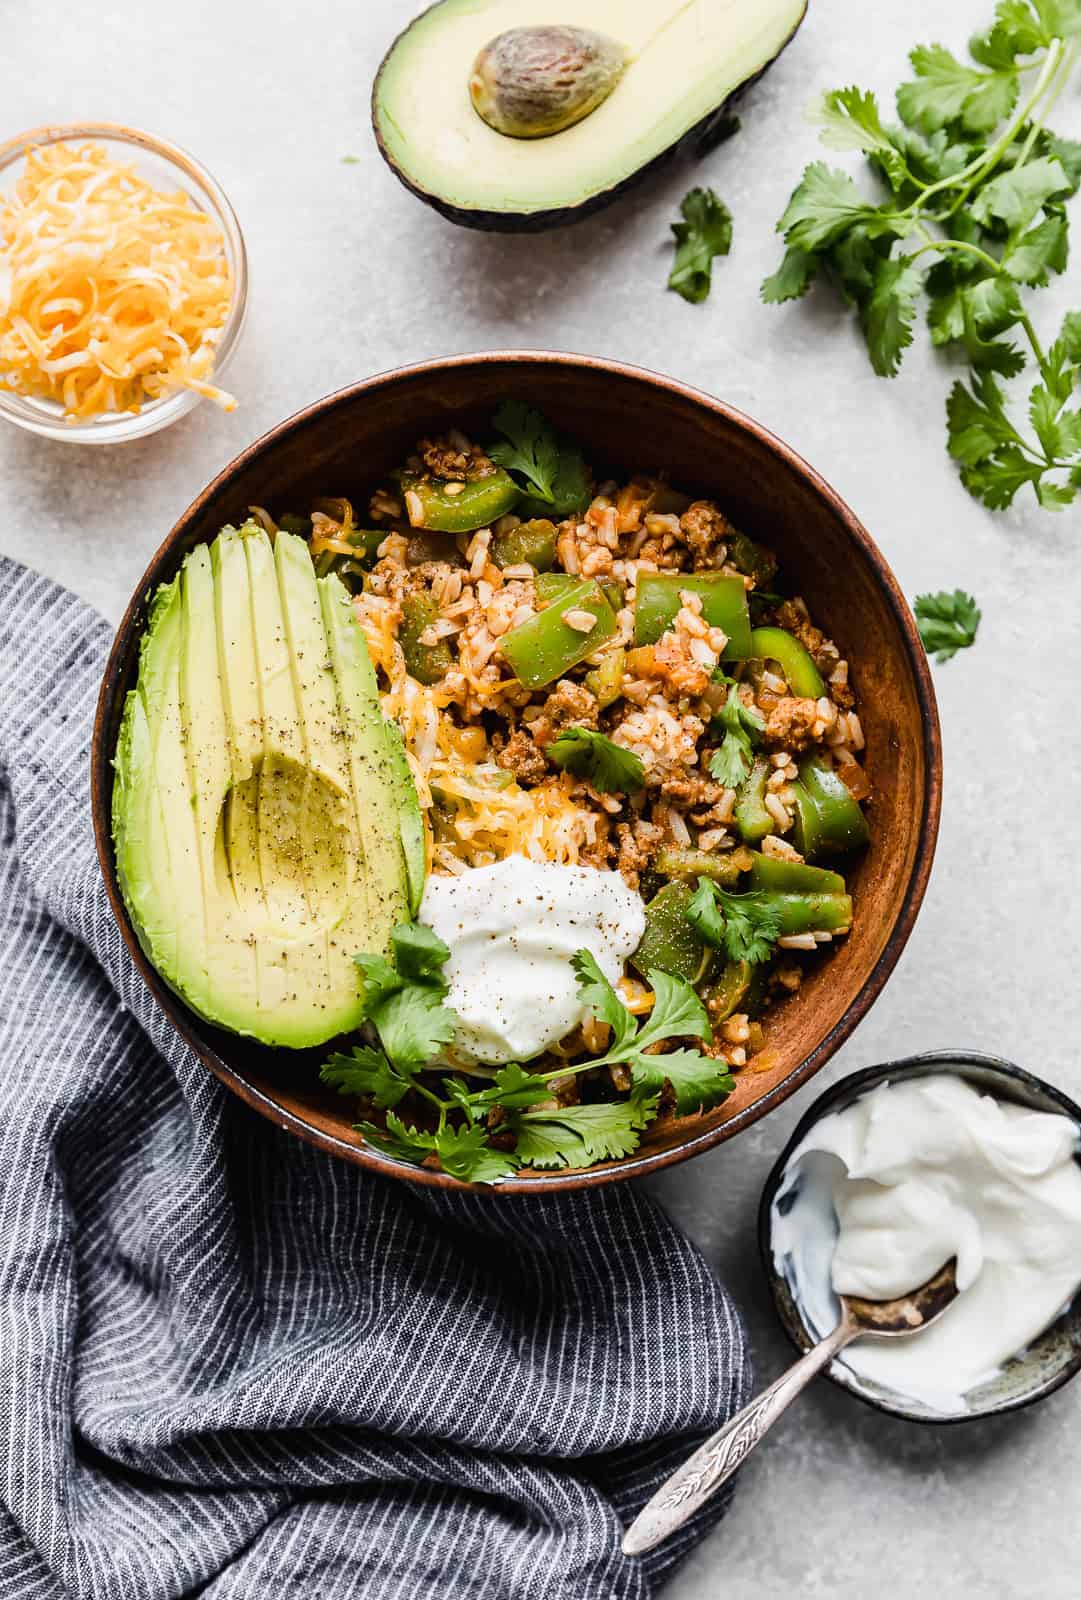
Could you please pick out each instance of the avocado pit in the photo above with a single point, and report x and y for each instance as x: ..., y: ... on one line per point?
x: 530, y: 83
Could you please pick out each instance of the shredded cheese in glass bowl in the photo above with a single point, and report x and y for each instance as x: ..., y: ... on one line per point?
x: 123, y: 283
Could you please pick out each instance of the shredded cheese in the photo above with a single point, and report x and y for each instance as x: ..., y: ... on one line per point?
x: 483, y: 814
x: 116, y: 292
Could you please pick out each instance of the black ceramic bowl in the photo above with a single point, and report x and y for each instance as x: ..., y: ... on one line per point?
x: 1046, y: 1364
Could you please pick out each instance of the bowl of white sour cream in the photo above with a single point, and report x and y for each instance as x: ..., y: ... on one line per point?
x: 900, y: 1167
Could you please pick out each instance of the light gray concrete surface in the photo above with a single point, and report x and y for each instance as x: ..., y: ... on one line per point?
x: 351, y: 275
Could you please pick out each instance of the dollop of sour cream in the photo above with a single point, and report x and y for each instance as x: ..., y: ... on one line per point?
x: 512, y: 929
x: 878, y: 1196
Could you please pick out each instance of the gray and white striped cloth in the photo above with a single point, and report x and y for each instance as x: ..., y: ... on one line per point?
x: 231, y: 1366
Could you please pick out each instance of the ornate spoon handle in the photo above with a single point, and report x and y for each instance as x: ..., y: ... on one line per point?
x: 692, y: 1484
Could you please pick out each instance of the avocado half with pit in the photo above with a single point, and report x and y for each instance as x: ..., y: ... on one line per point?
x: 508, y: 115
x: 265, y: 824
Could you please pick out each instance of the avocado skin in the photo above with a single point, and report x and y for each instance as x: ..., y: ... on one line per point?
x: 696, y: 139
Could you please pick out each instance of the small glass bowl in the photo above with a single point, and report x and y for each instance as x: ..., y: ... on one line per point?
x: 166, y: 166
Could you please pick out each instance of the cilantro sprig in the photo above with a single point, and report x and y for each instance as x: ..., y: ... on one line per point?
x: 592, y: 756
x: 947, y: 622
x: 975, y: 213
x: 742, y: 728
x: 745, y: 926
x: 484, y: 1135
x: 705, y: 232
x: 553, y: 475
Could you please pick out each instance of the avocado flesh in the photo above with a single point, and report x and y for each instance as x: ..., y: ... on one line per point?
x: 257, y: 808
x: 686, y: 59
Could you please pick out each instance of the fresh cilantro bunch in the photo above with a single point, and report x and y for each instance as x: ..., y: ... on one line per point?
x: 705, y: 232
x: 947, y: 622
x: 552, y: 474
x: 592, y: 756
x: 974, y: 213
x: 745, y: 926
x: 742, y: 728
x: 485, y: 1135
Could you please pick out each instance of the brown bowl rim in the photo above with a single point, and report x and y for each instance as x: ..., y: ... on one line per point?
x: 640, y: 1164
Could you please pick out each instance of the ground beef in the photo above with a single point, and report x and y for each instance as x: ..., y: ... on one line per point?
x: 570, y: 705
x: 706, y: 532
x: 521, y: 756
x: 444, y: 459
x: 638, y: 844
x: 790, y: 723
x: 691, y: 790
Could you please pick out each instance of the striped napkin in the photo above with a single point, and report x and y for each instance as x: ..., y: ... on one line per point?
x: 232, y: 1366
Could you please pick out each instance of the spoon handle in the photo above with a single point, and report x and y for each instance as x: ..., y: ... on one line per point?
x: 714, y: 1462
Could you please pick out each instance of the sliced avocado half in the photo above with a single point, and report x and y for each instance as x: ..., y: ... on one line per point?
x: 684, y: 61
x: 265, y: 824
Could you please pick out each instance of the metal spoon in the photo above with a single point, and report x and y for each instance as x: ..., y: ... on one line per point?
x: 714, y: 1462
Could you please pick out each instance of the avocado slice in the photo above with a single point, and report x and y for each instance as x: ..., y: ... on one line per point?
x: 684, y: 62
x: 264, y: 820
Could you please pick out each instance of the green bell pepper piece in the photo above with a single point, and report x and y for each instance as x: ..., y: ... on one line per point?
x: 475, y: 504
x: 544, y: 647
x: 365, y: 541
x: 828, y: 820
x: 533, y: 543
x: 793, y: 877
x: 726, y: 994
x: 752, y: 818
x: 724, y: 868
x: 604, y: 681
x: 752, y: 558
x: 724, y: 605
x: 425, y: 662
x: 813, y: 913
x: 669, y: 941
x: 801, y: 674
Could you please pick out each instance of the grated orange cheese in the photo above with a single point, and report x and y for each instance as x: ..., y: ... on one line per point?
x: 116, y: 292
x: 491, y: 815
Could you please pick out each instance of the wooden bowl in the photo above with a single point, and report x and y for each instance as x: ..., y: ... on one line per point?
x: 627, y: 420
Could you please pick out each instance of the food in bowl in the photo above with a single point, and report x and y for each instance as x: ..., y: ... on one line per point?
x: 879, y: 1194
x: 562, y: 800
x: 116, y: 292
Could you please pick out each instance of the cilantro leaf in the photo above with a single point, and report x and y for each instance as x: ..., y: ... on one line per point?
x: 590, y: 755
x: 398, y: 1140
x: 698, y: 1081
x: 366, y: 1072
x: 890, y: 312
x: 742, y: 728
x: 793, y: 277
x: 512, y: 1088
x: 849, y: 119
x: 414, y: 1025
x: 1030, y: 256
x: 947, y: 622
x: 466, y: 1154
x: 1015, y: 197
x: 419, y: 953
x: 601, y: 999
x: 572, y: 488
x: 576, y: 1136
x: 824, y: 204
x: 530, y: 448
x: 945, y: 90
x: 381, y: 980
x: 744, y: 926
x: 677, y: 1012
x: 1014, y: 32
x: 978, y: 426
x: 705, y: 232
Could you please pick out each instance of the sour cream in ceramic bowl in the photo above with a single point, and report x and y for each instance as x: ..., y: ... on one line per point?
x: 900, y: 1167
